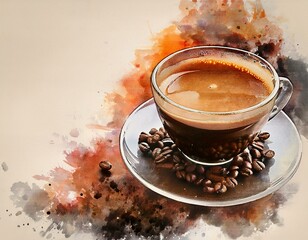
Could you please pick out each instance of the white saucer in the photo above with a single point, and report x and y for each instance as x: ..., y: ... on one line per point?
x: 284, y: 140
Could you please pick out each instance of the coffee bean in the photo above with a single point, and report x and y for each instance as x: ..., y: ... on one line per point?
x: 163, y: 130
x: 200, y: 169
x: 167, y: 142
x: 105, y: 165
x: 190, y: 177
x: 234, y: 173
x: 199, y: 181
x: 160, y: 158
x: 156, y: 152
x: 153, y: 130
x: 166, y: 151
x: 220, y: 187
x: 223, y: 189
x: 247, y: 164
x: 264, y: 136
x: 255, y: 153
x: 179, y: 174
x: 258, y: 145
x: 214, y: 177
x: 160, y: 144
x: 268, y: 154
x: 231, y: 182
x: 173, y: 146
x: 246, y: 172
x: 176, y: 159
x: 143, y: 137
x: 237, y: 160
x: 207, y: 182
x: 144, y: 147
x: 178, y: 167
x: 190, y: 168
x: 208, y: 189
x: 258, y: 165
x: 156, y: 137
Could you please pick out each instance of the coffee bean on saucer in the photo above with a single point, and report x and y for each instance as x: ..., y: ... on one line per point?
x: 153, y: 130
x: 143, y: 137
x: 264, y: 136
x: 105, y: 165
x: 156, y: 152
x: 231, y: 182
x: 144, y: 147
x: 255, y: 153
x: 268, y: 154
x: 246, y: 172
x: 258, y: 165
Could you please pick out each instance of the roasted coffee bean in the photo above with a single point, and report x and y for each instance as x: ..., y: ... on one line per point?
x: 237, y: 160
x: 178, y: 167
x: 200, y: 169
x: 214, y: 177
x: 160, y: 159
x: 208, y: 189
x: 258, y: 165
x: 160, y: 144
x: 264, y: 136
x: 231, y: 182
x: 165, y: 151
x: 220, y: 187
x: 246, y: 155
x: 247, y: 164
x: 190, y: 168
x: 180, y: 174
x: 199, y: 181
x: 143, y: 137
x: 173, y: 146
x: 156, y: 137
x: 144, y: 147
x: 207, y: 182
x: 105, y: 165
x: 163, y: 130
x: 234, y: 173
x: 223, y: 189
x: 190, y: 177
x: 258, y: 145
x: 151, y: 141
x: 268, y: 154
x: 161, y: 134
x: 153, y: 130
x: 167, y: 142
x: 255, y: 153
x: 156, y: 152
x: 246, y: 172
x: 176, y: 159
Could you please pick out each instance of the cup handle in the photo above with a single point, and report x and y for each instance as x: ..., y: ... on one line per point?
x: 284, y: 95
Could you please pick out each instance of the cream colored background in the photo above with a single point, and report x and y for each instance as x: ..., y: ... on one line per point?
x: 59, y: 57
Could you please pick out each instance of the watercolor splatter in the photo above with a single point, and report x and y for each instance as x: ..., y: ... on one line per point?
x: 112, y: 204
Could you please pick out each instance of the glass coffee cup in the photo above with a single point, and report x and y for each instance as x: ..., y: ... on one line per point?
x: 214, y: 100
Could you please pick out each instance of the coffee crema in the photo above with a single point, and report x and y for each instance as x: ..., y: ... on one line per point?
x: 216, y: 87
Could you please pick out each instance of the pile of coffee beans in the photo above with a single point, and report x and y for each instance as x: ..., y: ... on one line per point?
x: 213, y: 179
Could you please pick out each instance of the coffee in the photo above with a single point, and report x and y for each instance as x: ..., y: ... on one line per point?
x: 216, y: 87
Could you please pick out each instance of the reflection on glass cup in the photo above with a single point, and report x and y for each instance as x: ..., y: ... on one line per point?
x: 214, y: 100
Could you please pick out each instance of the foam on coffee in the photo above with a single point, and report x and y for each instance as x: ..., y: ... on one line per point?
x: 215, y: 85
